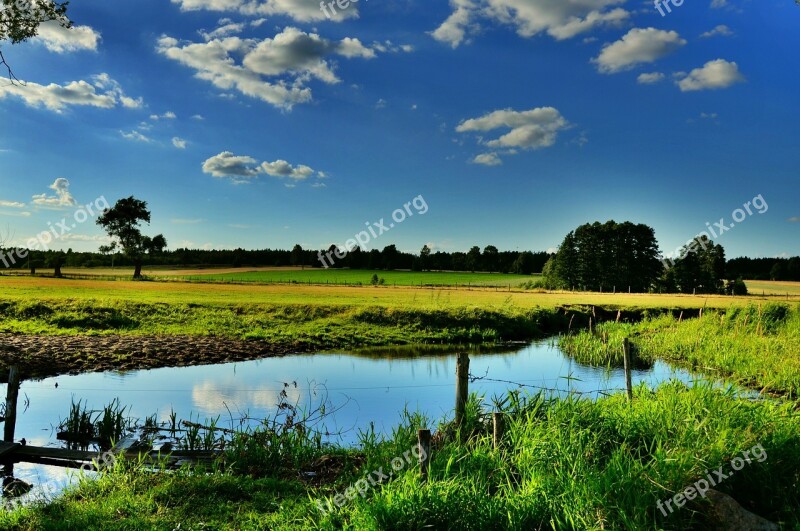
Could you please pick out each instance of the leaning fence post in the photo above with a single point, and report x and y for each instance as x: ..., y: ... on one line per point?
x: 424, y: 451
x: 626, y: 356
x: 499, y: 427
x: 11, y: 404
x: 462, y: 387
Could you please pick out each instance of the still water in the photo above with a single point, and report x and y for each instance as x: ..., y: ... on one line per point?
x: 364, y: 388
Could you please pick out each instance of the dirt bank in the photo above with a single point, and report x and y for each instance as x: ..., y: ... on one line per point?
x: 42, y: 356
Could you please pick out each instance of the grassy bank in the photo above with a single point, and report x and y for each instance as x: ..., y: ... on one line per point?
x: 567, y: 464
x: 757, y: 346
x: 301, y: 326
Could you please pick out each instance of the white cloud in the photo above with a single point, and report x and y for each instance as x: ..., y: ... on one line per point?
x: 487, y: 159
x: 62, y: 197
x: 11, y: 204
x: 292, y: 58
x: 561, y: 19
x: 226, y: 29
x: 113, y: 88
x: 57, y: 97
x: 135, y: 136
x: 533, y: 129
x: 169, y: 115
x: 453, y: 31
x: 721, y: 30
x: 103, y: 92
x: 241, y: 168
x: 390, y: 47
x: 60, y: 40
x: 299, y: 10
x: 281, y: 168
x: 636, y: 47
x: 179, y: 143
x: 717, y: 4
x: 226, y: 164
x: 718, y: 74
x: 650, y: 78
x: 198, y: 117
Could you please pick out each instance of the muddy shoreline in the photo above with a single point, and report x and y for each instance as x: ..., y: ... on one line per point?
x: 40, y: 356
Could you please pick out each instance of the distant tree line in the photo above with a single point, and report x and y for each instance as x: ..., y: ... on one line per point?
x: 765, y: 268
x: 490, y: 259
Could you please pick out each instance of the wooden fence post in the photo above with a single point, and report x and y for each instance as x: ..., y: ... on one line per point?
x: 626, y: 355
x: 424, y: 451
x: 462, y: 387
x: 11, y: 404
x: 498, y: 423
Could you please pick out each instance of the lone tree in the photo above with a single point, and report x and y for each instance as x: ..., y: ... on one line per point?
x: 20, y: 21
x: 121, y: 222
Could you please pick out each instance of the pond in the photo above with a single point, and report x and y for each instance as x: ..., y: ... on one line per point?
x: 365, y: 388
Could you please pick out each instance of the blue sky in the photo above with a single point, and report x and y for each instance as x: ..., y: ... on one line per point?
x: 262, y: 123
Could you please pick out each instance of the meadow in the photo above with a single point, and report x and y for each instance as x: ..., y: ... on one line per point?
x: 570, y: 463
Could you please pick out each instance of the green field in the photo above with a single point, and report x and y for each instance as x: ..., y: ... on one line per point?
x: 363, y: 277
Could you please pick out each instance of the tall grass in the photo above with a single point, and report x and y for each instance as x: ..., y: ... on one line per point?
x: 564, y: 464
x: 757, y: 346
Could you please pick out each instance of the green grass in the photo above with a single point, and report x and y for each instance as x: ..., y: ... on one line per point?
x: 363, y: 277
x: 565, y: 464
x: 757, y: 346
x: 308, y: 326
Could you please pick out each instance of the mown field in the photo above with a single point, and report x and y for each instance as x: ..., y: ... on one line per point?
x: 51, y: 289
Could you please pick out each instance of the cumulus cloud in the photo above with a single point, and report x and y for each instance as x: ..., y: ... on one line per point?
x: 226, y: 164
x: 487, y: 159
x: 60, y: 40
x: 560, y: 19
x: 11, y: 204
x: 721, y: 30
x: 179, y: 142
x: 242, y: 168
x: 453, y: 31
x: 61, y: 198
x: 290, y: 59
x: 57, y: 97
x: 281, y: 168
x: 718, y: 74
x: 533, y: 129
x: 299, y: 10
x: 638, y: 46
x: 650, y: 78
